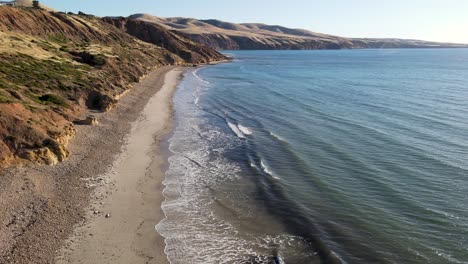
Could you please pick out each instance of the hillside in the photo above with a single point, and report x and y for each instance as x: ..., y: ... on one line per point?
x: 152, y: 33
x: 230, y: 36
x: 55, y: 67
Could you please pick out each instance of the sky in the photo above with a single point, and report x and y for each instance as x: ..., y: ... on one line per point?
x: 434, y: 20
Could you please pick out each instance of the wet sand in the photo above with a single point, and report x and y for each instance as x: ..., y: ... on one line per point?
x: 121, y: 226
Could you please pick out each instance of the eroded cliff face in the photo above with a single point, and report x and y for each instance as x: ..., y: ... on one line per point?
x: 56, y: 66
x: 188, y: 50
x: 215, y: 41
x: 265, y: 42
x: 223, y: 35
x: 237, y: 42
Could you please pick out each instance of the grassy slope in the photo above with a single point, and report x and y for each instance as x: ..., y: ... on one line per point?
x: 56, y: 66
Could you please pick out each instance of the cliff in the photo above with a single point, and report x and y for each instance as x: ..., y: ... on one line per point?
x: 185, y: 48
x: 55, y: 66
x: 249, y: 36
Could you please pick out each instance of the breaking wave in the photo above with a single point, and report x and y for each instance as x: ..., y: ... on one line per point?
x: 236, y: 130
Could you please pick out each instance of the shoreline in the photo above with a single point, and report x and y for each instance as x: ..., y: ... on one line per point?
x: 66, y: 205
x: 110, y: 235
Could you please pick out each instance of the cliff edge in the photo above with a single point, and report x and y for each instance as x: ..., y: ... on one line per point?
x: 55, y: 67
x: 223, y: 35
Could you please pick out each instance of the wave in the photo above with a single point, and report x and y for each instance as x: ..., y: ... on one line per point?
x: 245, y: 130
x: 197, y: 100
x: 267, y: 170
x: 198, y: 185
x: 236, y: 130
x: 277, y: 137
x: 291, y: 215
x: 200, y: 78
x: 201, y: 194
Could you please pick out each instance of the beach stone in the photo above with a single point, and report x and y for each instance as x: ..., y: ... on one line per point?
x: 91, y: 120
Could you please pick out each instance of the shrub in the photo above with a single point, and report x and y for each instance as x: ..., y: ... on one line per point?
x: 4, y: 99
x: 90, y: 59
x: 58, y: 38
x: 52, y: 98
x: 65, y: 49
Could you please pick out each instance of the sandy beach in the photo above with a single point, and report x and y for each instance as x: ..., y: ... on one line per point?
x: 121, y: 226
x: 102, y: 204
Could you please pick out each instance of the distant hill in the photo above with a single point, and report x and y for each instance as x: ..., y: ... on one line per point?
x: 225, y: 35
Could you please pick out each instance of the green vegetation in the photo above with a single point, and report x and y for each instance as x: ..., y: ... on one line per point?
x: 5, y: 100
x: 39, y: 78
x: 52, y: 98
x: 4, y: 84
x: 65, y: 49
x: 6, y: 96
x: 58, y: 38
x: 25, y: 70
x: 45, y: 45
x: 85, y: 57
x: 55, y: 76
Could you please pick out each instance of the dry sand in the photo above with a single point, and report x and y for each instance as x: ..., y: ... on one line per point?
x: 114, y: 168
x: 133, y: 204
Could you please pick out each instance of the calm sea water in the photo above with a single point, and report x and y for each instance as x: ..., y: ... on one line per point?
x: 350, y: 156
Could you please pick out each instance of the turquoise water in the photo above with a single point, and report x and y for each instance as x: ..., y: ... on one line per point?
x: 352, y: 156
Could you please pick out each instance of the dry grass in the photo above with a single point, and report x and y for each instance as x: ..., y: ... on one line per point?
x: 13, y: 43
x: 193, y: 26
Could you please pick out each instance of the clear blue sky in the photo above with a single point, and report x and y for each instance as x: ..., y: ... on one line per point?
x: 437, y: 20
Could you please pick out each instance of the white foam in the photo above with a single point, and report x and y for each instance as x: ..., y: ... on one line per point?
x: 268, y: 171
x: 280, y: 260
x: 265, y: 168
x: 277, y: 137
x: 194, y: 228
x: 245, y: 130
x: 199, y: 78
x: 236, y: 130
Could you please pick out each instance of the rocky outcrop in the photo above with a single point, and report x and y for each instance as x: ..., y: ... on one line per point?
x: 55, y: 67
x: 254, y: 36
x: 90, y: 121
x: 51, y: 154
x: 30, y: 140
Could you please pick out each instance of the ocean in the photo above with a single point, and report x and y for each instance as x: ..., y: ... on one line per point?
x: 343, y: 156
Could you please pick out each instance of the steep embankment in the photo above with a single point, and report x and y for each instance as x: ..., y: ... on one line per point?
x: 55, y: 66
x: 224, y: 35
x: 155, y: 34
